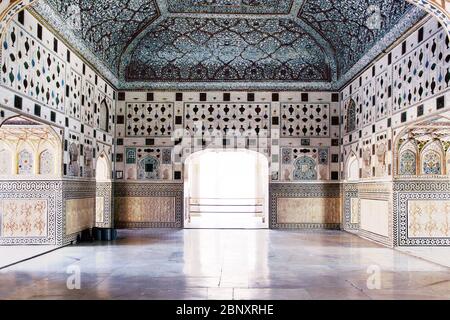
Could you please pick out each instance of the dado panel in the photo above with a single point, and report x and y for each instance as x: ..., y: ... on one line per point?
x: 308, y: 210
x: 375, y: 216
x: 422, y: 213
x: 30, y: 212
x: 310, y: 206
x: 148, y: 205
x: 80, y: 215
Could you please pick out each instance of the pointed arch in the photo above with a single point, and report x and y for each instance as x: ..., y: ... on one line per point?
x: 74, y: 167
x: 351, y: 116
x: 5, y: 160
x: 352, y: 167
x: 25, y: 162
x: 46, y: 162
x: 104, y: 116
x: 103, y: 168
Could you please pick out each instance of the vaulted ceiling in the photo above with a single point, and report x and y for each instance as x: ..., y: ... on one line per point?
x: 278, y: 41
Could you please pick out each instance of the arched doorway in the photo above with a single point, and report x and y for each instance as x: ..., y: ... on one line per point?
x: 103, y: 171
x: 226, y: 189
x: 103, y: 212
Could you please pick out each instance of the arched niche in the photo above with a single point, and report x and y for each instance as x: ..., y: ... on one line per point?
x: 29, y: 148
x: 48, y: 158
x: 25, y: 162
x: 407, y: 159
x: 351, y: 116
x: 432, y: 159
x: 352, y: 168
x: 103, y: 168
x: 46, y: 162
x: 104, y: 116
x: 74, y: 165
x: 6, y: 159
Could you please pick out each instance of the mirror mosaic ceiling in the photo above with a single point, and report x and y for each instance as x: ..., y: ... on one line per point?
x: 225, y: 41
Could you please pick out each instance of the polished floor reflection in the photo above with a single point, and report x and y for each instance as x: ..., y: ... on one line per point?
x: 227, y: 264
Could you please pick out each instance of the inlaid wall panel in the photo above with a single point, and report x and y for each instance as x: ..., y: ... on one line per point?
x: 150, y: 119
x: 308, y: 211
x: 75, y: 95
x: 422, y: 213
x: 305, y: 206
x: 234, y: 119
x: 23, y: 218
x: 384, y: 94
x: 32, y: 69
x: 226, y: 120
x: 80, y: 215
x: 30, y: 212
x: 144, y: 205
x: 411, y: 80
x: 79, y: 209
x: 423, y: 72
x: 104, y: 205
x: 145, y: 210
x: 374, y: 215
x: 305, y: 120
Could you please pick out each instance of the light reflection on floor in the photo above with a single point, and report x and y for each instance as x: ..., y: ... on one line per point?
x: 227, y: 264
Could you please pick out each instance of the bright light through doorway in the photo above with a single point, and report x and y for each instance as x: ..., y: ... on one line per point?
x: 227, y: 189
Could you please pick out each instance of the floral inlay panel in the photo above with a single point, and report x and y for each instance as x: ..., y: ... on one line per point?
x: 428, y: 218
x: 408, y: 164
x: 23, y: 218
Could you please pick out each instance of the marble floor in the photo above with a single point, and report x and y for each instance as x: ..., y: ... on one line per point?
x: 227, y: 264
x: 13, y: 254
x: 439, y: 255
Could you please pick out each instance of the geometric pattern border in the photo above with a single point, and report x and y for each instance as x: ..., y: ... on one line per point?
x: 104, y: 190
x: 350, y: 192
